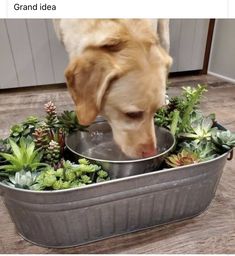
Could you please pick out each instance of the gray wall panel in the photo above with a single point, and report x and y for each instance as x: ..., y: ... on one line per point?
x: 20, y: 43
x: 8, y: 76
x: 58, y: 54
x: 39, y: 41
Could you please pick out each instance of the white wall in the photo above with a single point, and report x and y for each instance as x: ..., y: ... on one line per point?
x: 222, y: 58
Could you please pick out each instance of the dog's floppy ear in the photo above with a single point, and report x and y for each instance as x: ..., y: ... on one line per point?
x: 113, y: 44
x: 88, y: 78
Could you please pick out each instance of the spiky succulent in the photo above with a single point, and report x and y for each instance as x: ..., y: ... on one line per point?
x: 177, y: 114
x: 23, y: 157
x: 224, y: 140
x: 185, y: 157
x: 68, y: 120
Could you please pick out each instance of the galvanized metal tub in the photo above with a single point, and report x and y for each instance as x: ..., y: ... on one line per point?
x: 76, y: 216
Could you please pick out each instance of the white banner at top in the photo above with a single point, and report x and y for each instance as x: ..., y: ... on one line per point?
x: 116, y: 8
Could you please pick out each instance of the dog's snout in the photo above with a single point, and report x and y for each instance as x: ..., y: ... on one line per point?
x: 148, y: 150
x: 149, y: 153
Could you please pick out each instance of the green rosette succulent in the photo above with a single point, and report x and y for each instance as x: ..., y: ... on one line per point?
x: 224, y: 140
x: 23, y: 179
x: 204, y: 149
x: 24, y: 129
x: 201, y: 129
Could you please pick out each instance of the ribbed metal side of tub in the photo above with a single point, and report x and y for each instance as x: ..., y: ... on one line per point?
x: 72, y: 217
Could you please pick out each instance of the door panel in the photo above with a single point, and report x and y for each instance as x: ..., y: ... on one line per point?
x: 188, y: 43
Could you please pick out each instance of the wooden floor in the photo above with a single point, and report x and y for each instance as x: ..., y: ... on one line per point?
x: 211, y: 232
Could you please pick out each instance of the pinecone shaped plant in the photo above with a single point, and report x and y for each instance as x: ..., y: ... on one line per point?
x: 58, y: 135
x: 51, y: 118
x: 41, y: 138
x: 52, y: 154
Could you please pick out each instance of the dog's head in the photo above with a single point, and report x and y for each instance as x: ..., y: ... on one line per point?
x: 124, y: 79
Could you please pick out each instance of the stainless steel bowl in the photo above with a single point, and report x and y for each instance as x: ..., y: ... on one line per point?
x: 98, y: 146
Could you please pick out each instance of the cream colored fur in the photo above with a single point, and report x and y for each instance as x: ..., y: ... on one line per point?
x: 118, y: 68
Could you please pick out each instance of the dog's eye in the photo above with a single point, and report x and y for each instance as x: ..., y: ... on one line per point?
x: 135, y: 115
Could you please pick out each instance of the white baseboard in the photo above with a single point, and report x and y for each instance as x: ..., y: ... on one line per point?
x: 222, y: 77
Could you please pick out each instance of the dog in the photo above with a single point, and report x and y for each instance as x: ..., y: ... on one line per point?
x: 118, y: 69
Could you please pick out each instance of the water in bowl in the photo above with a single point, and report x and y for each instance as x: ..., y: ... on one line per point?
x: 102, y: 146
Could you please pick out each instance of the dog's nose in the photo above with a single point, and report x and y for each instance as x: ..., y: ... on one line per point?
x: 149, y: 152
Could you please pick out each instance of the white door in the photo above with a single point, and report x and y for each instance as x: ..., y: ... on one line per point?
x: 188, y: 43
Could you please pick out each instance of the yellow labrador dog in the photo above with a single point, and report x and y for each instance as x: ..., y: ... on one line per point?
x: 118, y: 69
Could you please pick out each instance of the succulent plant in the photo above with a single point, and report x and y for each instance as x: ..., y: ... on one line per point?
x: 85, y: 179
x: 71, y: 175
x: 31, y: 122
x: 24, y: 129
x: 185, y: 157
x: 69, y: 122
x: 4, y: 148
x: 51, y: 141
x: 16, y: 130
x: 58, y: 135
x: 52, y: 153
x: 200, y: 129
x: 51, y: 118
x: 224, y: 140
x: 162, y: 118
x: 205, y: 150
x: 177, y: 114
x: 41, y: 138
x: 174, y: 104
x: 102, y: 176
x: 47, y: 178
x: 23, y: 157
x: 23, y: 179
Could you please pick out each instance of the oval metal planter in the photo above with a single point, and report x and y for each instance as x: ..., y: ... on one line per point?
x: 77, y: 216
